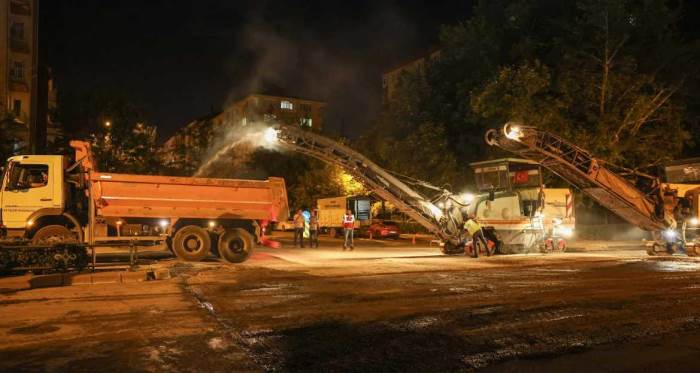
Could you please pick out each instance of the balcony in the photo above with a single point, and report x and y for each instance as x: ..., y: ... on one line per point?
x: 20, y: 7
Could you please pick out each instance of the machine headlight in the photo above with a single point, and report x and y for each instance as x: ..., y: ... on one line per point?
x: 212, y: 224
x: 270, y: 135
x: 566, y: 232
x: 467, y: 197
x: 693, y: 221
x: 513, y: 132
x: 670, y: 234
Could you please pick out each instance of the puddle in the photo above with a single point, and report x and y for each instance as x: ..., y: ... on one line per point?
x: 674, y: 266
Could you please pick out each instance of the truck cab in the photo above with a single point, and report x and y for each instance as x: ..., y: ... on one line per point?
x: 33, y: 186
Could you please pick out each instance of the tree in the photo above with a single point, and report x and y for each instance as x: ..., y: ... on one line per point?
x: 117, y: 129
x: 602, y: 92
x: 603, y: 73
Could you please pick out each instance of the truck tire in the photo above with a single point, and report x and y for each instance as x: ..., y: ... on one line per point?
x: 236, y: 245
x: 53, y: 234
x: 191, y: 243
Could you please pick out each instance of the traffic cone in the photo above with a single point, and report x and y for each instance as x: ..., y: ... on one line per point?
x: 414, y: 239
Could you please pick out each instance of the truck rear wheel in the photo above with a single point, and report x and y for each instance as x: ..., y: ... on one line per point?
x: 52, y: 235
x: 191, y: 243
x: 236, y: 245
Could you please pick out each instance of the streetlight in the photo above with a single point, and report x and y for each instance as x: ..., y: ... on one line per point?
x: 108, y: 124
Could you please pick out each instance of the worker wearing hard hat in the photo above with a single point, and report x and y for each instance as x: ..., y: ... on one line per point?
x: 348, y: 227
x: 474, y: 229
x: 314, y: 227
x: 299, y: 223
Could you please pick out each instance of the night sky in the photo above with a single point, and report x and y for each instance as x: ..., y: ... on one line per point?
x: 182, y: 59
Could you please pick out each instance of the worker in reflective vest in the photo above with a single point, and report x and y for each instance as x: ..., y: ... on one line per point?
x: 348, y: 227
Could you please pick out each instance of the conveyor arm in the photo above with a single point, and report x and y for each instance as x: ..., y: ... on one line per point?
x: 444, y: 221
x: 589, y: 174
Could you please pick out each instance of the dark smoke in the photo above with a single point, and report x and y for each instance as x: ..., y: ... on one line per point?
x: 341, y: 65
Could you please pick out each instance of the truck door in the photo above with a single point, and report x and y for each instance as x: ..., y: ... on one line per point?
x: 27, y: 189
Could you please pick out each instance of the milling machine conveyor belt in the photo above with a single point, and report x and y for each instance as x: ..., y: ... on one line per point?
x: 444, y: 223
x: 589, y: 174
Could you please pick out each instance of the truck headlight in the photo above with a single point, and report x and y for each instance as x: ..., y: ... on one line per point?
x: 163, y: 223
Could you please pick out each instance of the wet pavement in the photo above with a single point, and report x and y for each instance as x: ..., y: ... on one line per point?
x: 387, y: 306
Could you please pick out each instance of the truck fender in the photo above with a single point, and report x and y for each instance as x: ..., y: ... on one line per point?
x: 40, y: 213
x: 55, y: 213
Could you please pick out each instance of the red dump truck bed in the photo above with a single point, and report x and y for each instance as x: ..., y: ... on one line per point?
x: 123, y: 195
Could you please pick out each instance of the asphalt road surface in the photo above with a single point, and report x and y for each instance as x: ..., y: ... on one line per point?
x: 386, y: 306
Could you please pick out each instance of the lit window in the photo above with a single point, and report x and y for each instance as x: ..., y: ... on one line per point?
x: 287, y: 105
x: 305, y: 122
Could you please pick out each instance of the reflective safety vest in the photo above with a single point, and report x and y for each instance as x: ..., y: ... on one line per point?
x: 472, y: 226
x: 349, y: 221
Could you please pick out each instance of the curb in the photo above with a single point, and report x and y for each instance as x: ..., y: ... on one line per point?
x: 28, y: 282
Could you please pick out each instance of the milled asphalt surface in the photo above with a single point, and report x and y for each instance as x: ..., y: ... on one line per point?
x: 387, y: 306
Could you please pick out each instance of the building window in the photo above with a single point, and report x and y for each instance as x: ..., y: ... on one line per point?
x: 305, y: 122
x: 306, y: 108
x: 269, y: 118
x: 17, y: 71
x: 287, y: 105
x: 17, y: 107
x: 17, y: 31
x: 244, y: 121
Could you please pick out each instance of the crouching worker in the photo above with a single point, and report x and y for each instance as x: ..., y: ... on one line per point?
x: 478, y: 241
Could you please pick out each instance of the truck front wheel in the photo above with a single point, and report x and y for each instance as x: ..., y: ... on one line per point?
x: 236, y: 245
x: 191, y: 243
x: 52, y: 235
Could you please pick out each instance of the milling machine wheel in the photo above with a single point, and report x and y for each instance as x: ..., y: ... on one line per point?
x: 191, y: 243
x: 52, y: 235
x: 477, y: 247
x: 236, y: 245
x: 655, y: 249
x: 450, y: 249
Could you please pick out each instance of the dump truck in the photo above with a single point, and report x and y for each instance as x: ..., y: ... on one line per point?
x: 50, y: 200
x: 664, y: 209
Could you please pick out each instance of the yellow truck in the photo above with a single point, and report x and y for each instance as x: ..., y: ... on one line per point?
x: 51, y: 201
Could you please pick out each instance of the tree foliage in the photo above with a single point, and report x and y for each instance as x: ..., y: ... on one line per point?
x: 121, y: 139
x: 615, y: 76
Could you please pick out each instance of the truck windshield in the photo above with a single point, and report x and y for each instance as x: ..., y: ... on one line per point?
x: 26, y: 176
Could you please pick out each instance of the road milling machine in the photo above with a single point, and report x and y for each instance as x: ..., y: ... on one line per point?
x: 669, y: 211
x: 437, y: 209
